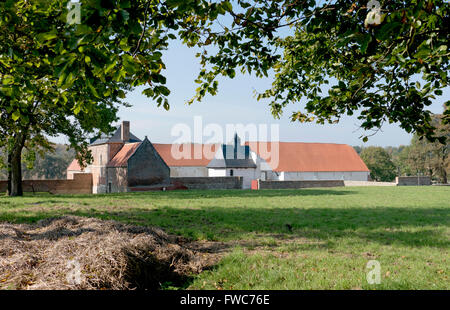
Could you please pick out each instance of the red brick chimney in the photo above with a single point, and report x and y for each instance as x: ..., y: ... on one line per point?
x: 125, y: 131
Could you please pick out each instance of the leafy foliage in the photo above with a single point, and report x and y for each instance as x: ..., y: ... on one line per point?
x: 429, y: 158
x: 378, y: 161
x: 388, y: 72
x: 421, y: 157
x: 43, y: 165
x: 63, y: 78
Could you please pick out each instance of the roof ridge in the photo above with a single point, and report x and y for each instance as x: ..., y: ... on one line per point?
x: 297, y: 142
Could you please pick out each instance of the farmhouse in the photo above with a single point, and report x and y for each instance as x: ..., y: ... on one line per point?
x: 122, y: 162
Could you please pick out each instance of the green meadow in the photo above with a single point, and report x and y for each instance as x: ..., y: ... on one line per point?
x: 284, y: 239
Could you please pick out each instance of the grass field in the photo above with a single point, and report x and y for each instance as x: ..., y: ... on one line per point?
x: 285, y: 239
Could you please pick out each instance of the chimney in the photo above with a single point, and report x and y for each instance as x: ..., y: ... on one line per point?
x: 125, y: 131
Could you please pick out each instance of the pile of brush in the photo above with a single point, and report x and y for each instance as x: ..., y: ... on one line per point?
x: 84, y: 253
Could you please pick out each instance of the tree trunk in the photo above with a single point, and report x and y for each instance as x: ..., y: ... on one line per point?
x: 9, y: 172
x: 15, y: 165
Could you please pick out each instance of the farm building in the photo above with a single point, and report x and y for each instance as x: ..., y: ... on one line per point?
x: 234, y: 160
x: 298, y: 161
x: 122, y: 162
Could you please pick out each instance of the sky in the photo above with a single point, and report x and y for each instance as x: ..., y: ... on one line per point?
x: 235, y: 103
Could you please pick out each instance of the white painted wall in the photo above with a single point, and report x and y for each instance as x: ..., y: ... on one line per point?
x: 247, y: 174
x: 197, y: 171
x: 338, y: 175
x: 217, y: 172
x: 265, y: 171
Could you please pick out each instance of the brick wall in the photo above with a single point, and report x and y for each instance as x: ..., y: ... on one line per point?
x: 210, y: 182
x: 299, y: 184
x: 81, y: 184
x: 414, y: 180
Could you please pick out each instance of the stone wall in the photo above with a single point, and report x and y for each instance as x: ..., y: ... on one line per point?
x: 209, y: 182
x: 146, y: 167
x: 80, y: 184
x: 414, y: 180
x: 299, y: 184
x: 192, y: 171
x: 98, y: 167
x: 117, y: 180
x: 368, y: 183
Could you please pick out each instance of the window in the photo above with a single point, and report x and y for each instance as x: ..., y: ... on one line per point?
x: 101, y: 161
x: 109, y: 187
x: 231, y: 172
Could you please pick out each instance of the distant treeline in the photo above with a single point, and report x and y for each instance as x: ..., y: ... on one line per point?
x: 52, y: 165
x: 421, y: 157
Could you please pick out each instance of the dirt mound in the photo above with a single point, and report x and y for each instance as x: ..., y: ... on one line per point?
x: 85, y: 253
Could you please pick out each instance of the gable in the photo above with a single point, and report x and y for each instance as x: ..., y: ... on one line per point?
x: 146, y: 167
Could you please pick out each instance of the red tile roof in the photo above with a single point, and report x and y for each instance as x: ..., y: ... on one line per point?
x: 293, y: 156
x: 309, y: 157
x: 197, y: 154
x: 121, y: 158
x: 74, y: 166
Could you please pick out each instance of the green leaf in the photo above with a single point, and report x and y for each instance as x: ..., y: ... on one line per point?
x: 366, y: 39
x: 47, y: 36
x: 8, y: 80
x: 386, y: 30
x: 15, y: 115
x: 92, y: 88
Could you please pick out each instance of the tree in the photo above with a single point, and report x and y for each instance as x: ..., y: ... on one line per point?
x: 68, y: 78
x: 429, y: 158
x: 42, y: 165
x: 379, y: 162
x: 388, y: 70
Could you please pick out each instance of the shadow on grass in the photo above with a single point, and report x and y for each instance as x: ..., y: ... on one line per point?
x: 385, y: 225
x: 196, y: 194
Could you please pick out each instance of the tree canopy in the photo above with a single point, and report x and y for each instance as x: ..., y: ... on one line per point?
x: 336, y: 62
x: 58, y: 77
x: 426, y: 157
x: 379, y: 162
